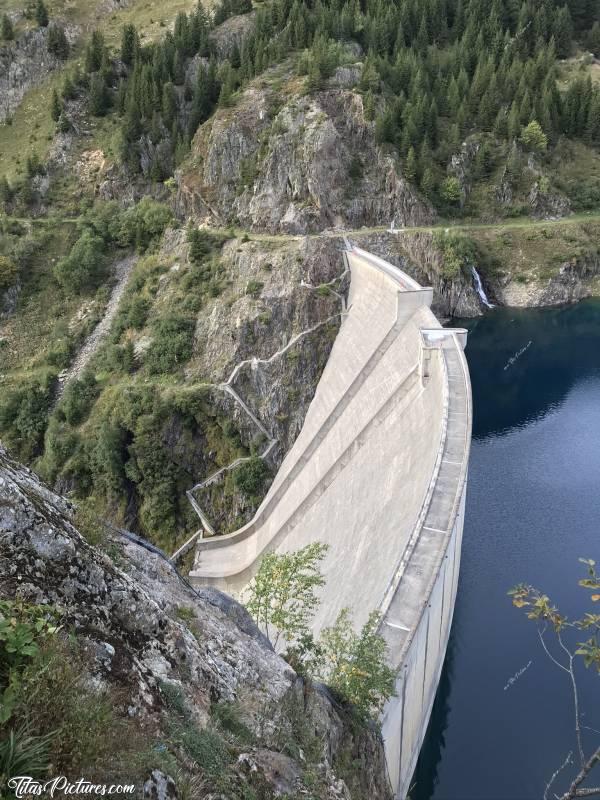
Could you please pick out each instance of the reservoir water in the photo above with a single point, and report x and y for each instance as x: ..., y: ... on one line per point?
x: 502, y: 722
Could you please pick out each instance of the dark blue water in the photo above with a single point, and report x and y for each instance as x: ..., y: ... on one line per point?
x: 533, y: 508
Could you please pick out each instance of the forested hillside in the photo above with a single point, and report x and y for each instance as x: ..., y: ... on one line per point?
x: 432, y: 73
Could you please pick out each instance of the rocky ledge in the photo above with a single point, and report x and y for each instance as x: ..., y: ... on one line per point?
x: 127, y: 610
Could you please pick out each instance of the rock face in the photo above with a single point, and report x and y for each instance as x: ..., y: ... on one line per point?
x: 24, y: 64
x: 575, y: 280
x: 546, y: 205
x: 231, y: 33
x: 305, y: 166
x: 126, y: 615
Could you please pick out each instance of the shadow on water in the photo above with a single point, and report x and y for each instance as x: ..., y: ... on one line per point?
x: 425, y: 775
x: 502, y: 720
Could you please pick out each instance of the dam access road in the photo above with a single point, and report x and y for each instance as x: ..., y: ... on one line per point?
x: 378, y: 473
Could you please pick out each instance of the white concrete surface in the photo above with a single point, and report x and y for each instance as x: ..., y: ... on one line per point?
x: 378, y: 472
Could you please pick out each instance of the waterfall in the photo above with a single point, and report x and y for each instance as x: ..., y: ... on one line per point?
x: 479, y: 288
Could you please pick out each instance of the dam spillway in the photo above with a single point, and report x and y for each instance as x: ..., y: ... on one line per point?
x: 378, y: 473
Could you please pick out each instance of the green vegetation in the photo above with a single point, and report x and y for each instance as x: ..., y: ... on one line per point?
x: 251, y: 477
x: 458, y: 252
x: 282, y: 598
x: 355, y: 665
x: 7, y: 31
x: 8, y: 273
x: 171, y: 344
x: 52, y: 721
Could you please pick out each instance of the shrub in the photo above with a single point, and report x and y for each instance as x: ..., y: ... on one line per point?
x: 254, y: 288
x: 282, y: 596
x: 6, y: 28
x: 57, y: 701
x: 143, y: 224
x: 23, y: 628
x: 201, y: 242
x: 84, y: 267
x: 23, y: 416
x: 250, y: 476
x: 78, y: 398
x: 8, y: 273
x: 354, y: 664
x: 450, y: 190
x: 458, y: 252
x: 58, y: 44
x: 171, y: 344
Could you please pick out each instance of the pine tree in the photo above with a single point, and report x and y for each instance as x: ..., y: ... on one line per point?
x: 592, y: 131
x: 58, y: 43
x: 68, y: 89
x: 593, y: 39
x: 411, y: 166
x: 369, y: 80
x: 428, y: 183
x: 563, y: 32
x: 6, y: 192
x: 99, y: 97
x: 129, y: 44
x: 169, y: 104
x: 6, y: 28
x: 513, y: 122
x: 94, y: 52
x: 55, y: 106
x: 41, y: 14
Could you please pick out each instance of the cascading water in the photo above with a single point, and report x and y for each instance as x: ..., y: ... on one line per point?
x: 479, y: 288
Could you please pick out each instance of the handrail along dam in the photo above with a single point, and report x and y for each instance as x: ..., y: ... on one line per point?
x: 378, y: 473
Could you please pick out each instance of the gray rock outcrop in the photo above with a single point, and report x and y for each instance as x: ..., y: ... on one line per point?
x: 127, y: 617
x: 307, y: 166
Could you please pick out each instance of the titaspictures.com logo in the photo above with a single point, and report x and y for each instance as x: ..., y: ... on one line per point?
x: 25, y: 786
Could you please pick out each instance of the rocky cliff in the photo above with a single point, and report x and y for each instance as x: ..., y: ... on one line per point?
x: 574, y: 280
x: 284, y: 161
x: 155, y: 644
x: 25, y: 63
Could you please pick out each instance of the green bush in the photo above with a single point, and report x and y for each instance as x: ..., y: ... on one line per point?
x: 282, y: 598
x: 84, y: 267
x: 8, y: 273
x: 23, y: 629
x: 254, y: 288
x: 458, y: 252
x: 78, y: 398
x: 355, y: 666
x: 202, y: 243
x: 144, y: 224
x: 23, y: 416
x: 77, y: 722
x: 250, y: 476
x: 171, y: 344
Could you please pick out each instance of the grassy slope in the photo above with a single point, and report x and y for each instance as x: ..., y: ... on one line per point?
x: 31, y: 129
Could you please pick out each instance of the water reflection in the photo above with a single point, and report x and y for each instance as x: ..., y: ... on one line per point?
x: 563, y: 349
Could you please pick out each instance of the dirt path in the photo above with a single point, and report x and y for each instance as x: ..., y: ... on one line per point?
x: 92, y: 343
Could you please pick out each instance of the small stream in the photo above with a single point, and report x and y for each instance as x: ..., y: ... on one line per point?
x: 502, y: 722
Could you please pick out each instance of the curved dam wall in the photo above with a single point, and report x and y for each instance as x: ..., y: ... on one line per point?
x: 378, y: 473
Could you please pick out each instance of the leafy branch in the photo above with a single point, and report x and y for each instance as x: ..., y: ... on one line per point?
x: 539, y: 608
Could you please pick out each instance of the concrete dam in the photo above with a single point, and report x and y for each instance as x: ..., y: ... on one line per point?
x: 378, y: 473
